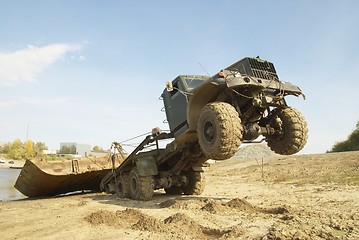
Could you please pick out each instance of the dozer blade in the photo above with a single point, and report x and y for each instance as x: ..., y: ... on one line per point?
x: 54, y: 178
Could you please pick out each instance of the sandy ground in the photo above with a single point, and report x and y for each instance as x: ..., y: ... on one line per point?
x: 296, y: 197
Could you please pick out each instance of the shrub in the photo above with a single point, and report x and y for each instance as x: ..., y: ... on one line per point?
x: 351, y: 144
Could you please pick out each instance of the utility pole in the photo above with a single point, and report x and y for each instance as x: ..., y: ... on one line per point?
x: 27, y: 132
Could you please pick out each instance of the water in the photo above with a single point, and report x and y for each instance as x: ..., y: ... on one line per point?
x: 8, y: 178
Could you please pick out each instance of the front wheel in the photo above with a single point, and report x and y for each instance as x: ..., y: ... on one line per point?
x: 219, y: 130
x: 291, y: 132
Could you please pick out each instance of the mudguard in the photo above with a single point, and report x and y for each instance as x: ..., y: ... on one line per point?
x: 146, y: 166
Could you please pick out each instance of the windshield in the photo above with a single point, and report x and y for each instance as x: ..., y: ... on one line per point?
x: 193, y: 83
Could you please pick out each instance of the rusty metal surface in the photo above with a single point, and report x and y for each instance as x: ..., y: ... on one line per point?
x: 53, y: 178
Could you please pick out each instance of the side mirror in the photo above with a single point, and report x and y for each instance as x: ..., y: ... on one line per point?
x: 169, y: 86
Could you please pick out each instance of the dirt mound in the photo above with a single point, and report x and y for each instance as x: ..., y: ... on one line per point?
x: 240, y: 204
x: 147, y: 223
x: 128, y: 218
x: 213, y: 207
x: 180, y: 218
x: 102, y: 217
x: 130, y: 215
x: 186, y: 224
x: 276, y: 210
x: 182, y: 204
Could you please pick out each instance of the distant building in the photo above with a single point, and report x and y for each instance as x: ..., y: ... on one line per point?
x: 49, y: 152
x: 75, y: 149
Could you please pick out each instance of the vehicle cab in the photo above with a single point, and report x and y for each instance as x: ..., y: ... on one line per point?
x: 176, y: 97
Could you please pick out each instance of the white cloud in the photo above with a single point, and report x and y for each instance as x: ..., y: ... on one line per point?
x: 63, y: 102
x: 78, y: 58
x: 7, y: 104
x: 26, y: 64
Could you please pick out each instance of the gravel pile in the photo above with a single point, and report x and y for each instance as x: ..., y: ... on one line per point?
x: 254, y: 151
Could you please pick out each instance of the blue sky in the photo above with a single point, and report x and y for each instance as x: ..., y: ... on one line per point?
x: 92, y: 71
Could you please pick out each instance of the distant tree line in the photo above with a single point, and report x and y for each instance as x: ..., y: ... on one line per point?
x: 68, y: 149
x: 98, y: 149
x: 351, y: 144
x: 19, y: 150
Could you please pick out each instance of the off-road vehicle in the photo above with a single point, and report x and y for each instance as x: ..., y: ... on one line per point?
x: 240, y: 103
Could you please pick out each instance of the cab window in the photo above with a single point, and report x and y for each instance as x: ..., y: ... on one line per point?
x: 193, y: 83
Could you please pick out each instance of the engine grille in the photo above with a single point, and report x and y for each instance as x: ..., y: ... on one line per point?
x: 262, y: 69
x: 255, y: 67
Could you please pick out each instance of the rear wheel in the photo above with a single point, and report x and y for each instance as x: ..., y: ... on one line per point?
x: 292, y: 132
x: 195, y: 182
x: 141, y: 187
x: 219, y: 130
x: 108, y: 189
x: 122, y: 188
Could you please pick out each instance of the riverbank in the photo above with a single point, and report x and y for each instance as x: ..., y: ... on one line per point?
x: 9, y: 163
x: 288, y: 197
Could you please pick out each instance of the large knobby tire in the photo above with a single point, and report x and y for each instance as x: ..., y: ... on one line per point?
x: 219, y: 130
x: 140, y: 187
x: 107, y: 189
x: 122, y: 186
x: 195, y: 182
x: 294, y: 133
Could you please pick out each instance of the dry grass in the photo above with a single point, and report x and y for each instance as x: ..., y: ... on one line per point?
x: 334, y: 168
